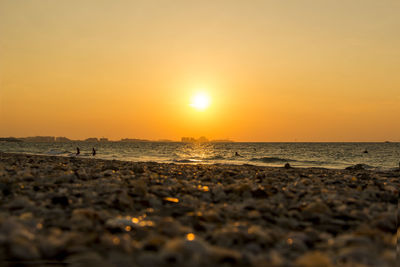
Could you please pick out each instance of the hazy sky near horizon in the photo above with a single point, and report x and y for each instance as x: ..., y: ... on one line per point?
x: 305, y: 70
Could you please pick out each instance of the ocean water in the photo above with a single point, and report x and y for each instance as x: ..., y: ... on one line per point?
x: 326, y: 155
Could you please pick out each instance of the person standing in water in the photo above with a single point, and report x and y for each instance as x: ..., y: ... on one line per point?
x: 94, y: 152
x: 78, y: 151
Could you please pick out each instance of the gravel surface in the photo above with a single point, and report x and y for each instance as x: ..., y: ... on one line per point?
x: 60, y: 211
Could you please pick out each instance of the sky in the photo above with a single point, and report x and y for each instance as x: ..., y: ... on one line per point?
x: 305, y: 70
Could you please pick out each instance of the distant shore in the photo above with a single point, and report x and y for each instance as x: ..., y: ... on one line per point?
x: 62, y: 139
x: 71, y: 211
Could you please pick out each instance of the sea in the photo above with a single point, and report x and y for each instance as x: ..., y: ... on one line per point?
x: 384, y: 156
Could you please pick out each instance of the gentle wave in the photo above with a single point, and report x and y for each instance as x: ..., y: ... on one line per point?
x: 362, y: 166
x: 272, y: 159
x: 186, y: 160
x: 57, y: 152
x: 217, y: 157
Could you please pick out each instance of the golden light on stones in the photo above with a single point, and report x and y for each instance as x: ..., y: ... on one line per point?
x: 171, y: 199
x: 146, y: 223
x: 116, y: 241
x: 139, y: 221
x: 190, y: 236
x: 203, y: 188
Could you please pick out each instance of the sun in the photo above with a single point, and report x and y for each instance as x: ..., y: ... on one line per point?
x: 200, y: 101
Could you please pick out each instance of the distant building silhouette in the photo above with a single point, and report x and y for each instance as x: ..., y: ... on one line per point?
x: 202, y: 139
x: 133, y: 140
x: 188, y: 139
x: 92, y: 139
x: 39, y: 139
x: 62, y: 139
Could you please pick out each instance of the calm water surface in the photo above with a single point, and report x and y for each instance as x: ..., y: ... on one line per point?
x: 327, y: 155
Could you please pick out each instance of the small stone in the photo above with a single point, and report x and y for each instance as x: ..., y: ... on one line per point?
x: 171, y: 199
x: 181, y: 251
x: 23, y: 249
x: 170, y: 227
x: 218, y: 193
x: 357, y: 167
x: 154, y: 243
x: 108, y: 173
x: 5, y: 189
x: 122, y: 201
x: 20, y: 203
x: 359, y: 255
x: 87, y: 259
x: 60, y: 200
x: 316, y: 207
x: 52, y: 245
x: 314, y: 259
x: 139, y: 188
x: 259, y: 193
x: 224, y: 256
x: 387, y: 222
x: 66, y: 178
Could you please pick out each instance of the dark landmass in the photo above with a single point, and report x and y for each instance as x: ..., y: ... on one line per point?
x: 10, y: 139
x: 51, y: 139
x: 133, y: 140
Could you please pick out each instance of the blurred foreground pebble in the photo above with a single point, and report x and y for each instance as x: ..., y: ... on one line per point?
x: 62, y: 211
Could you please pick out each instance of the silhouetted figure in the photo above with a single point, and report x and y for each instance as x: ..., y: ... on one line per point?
x: 237, y: 154
x: 94, y: 152
x: 78, y: 151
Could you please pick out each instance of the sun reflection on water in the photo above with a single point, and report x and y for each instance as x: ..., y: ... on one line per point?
x: 198, y: 152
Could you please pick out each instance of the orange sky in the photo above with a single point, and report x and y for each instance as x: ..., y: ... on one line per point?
x: 275, y: 70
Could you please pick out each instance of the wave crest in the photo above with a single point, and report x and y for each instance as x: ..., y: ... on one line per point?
x: 272, y: 159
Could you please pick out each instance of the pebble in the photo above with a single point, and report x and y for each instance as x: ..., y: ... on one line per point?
x: 60, y: 200
x: 313, y: 259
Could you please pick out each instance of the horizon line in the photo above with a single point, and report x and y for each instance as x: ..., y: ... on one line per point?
x: 179, y: 141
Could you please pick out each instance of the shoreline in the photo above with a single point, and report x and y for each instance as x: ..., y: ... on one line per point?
x: 70, y: 210
x: 173, y: 162
x: 185, y: 162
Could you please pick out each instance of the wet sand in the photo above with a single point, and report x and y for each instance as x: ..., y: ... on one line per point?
x: 59, y: 211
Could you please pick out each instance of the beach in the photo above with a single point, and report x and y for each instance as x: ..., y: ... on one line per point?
x: 71, y: 211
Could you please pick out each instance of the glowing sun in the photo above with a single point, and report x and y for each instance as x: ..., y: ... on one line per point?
x: 200, y: 101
